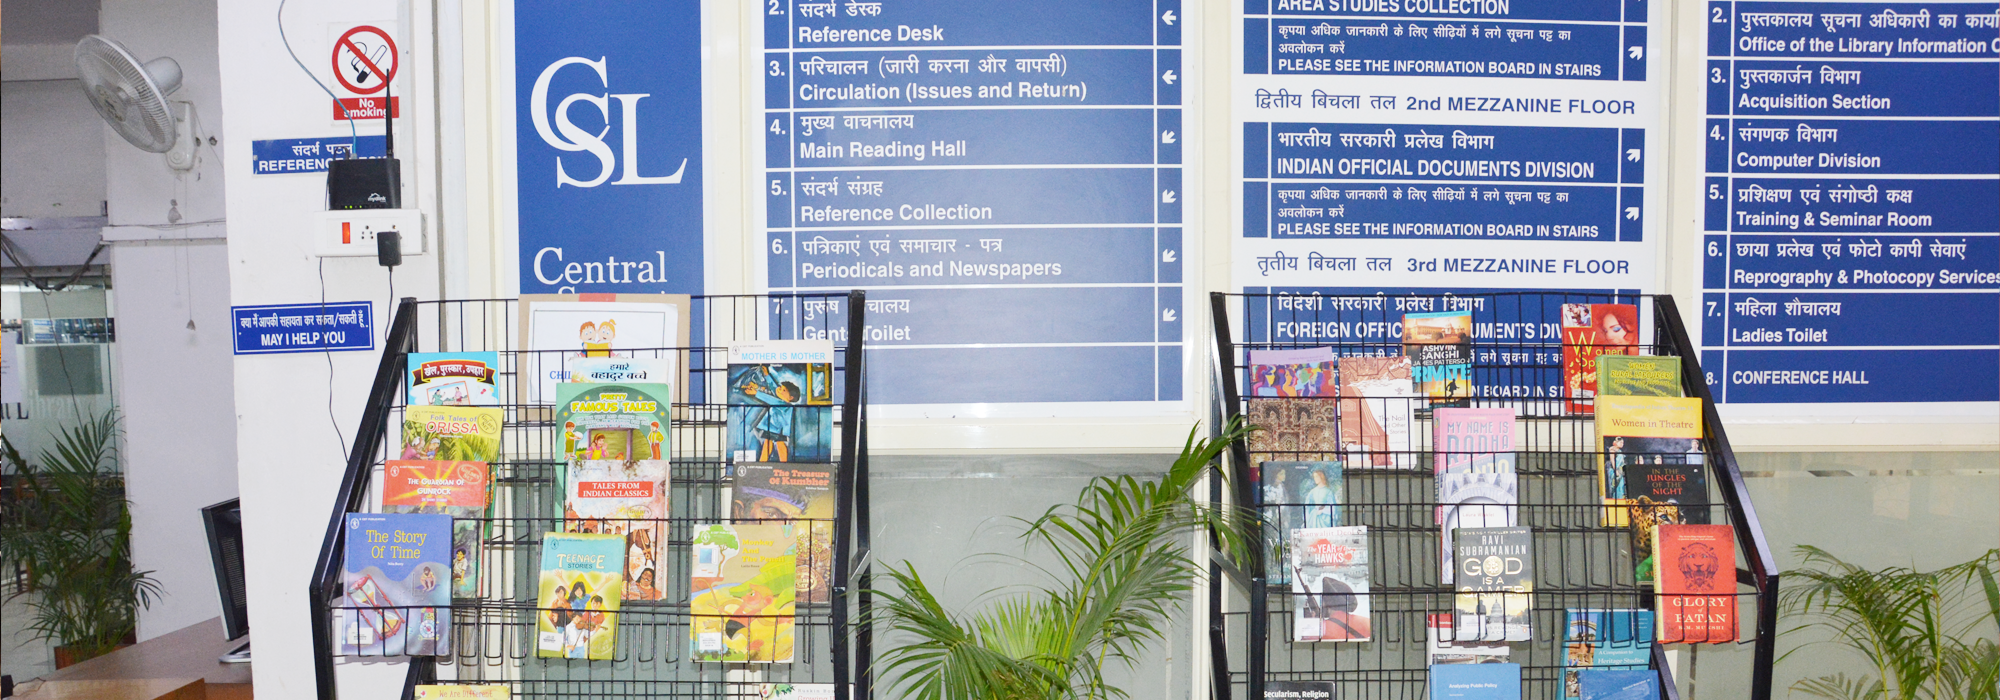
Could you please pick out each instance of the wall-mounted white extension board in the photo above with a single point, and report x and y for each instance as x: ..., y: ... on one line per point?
x: 352, y: 232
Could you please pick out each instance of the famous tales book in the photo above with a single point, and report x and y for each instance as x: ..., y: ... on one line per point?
x: 1330, y: 584
x: 582, y: 580
x: 780, y: 401
x: 396, y: 583
x: 744, y: 589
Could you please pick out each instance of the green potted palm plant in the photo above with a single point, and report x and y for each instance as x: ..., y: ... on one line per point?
x: 1925, y: 635
x: 1122, y: 565
x: 67, y: 524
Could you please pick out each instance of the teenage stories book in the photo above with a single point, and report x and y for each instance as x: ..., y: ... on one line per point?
x: 1440, y: 647
x: 1293, y: 429
x: 1500, y: 681
x: 453, y: 379
x: 1642, y: 429
x: 1292, y: 373
x: 1330, y: 584
x: 1439, y: 345
x: 1296, y: 495
x: 451, y: 433
x: 397, y: 586
x: 460, y: 490
x: 1638, y: 375
x: 1495, y: 571
x: 780, y: 401
x: 1377, y: 405
x: 1600, y: 638
x: 1696, y: 595
x: 800, y: 494
x: 582, y: 580
x: 1589, y: 332
x: 743, y: 592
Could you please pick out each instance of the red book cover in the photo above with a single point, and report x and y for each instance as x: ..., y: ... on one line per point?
x: 1697, y: 583
x: 1590, y: 330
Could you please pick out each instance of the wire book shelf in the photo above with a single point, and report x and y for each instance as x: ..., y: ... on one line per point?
x: 1581, y: 560
x: 493, y: 635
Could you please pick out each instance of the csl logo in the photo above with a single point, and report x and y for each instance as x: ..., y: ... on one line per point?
x: 567, y: 136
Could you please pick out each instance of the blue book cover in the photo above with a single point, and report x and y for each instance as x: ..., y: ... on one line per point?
x: 1605, y: 639
x: 396, y: 582
x: 780, y: 398
x: 1607, y: 684
x: 453, y: 379
x: 1476, y: 682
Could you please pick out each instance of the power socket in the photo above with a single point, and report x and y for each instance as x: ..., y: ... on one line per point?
x: 352, y: 232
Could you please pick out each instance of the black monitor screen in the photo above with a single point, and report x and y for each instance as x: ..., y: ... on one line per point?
x: 225, y: 543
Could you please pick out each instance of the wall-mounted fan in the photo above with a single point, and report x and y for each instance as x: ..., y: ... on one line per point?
x: 132, y: 97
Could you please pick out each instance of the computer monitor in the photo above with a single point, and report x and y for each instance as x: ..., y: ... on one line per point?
x: 224, y: 522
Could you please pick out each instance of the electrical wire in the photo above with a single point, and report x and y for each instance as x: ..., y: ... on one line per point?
x: 352, y: 132
x: 331, y: 417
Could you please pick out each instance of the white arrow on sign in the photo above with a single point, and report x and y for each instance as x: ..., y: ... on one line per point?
x: 1637, y: 52
x: 1167, y: 196
x: 1168, y: 17
x: 1167, y: 256
x: 1169, y: 77
x: 1632, y: 213
x: 1167, y: 136
x: 1632, y: 154
x: 1167, y: 315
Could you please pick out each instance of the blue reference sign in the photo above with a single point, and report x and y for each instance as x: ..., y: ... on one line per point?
x: 1008, y: 189
x: 310, y: 155
x: 608, y: 146
x: 277, y: 328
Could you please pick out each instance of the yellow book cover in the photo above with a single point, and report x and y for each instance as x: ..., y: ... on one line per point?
x: 744, y: 582
x: 582, y: 581
x: 452, y: 433
x: 463, y: 692
x: 1642, y: 430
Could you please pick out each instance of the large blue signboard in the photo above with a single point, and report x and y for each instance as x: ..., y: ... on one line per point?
x: 608, y: 139
x: 1475, y: 144
x: 1852, y: 197
x: 1005, y: 184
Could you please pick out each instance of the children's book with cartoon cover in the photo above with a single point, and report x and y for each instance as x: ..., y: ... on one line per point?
x: 614, y: 422
x: 451, y: 433
x: 803, y: 492
x: 628, y: 499
x: 780, y: 401
x: 582, y: 580
x: 453, y: 379
x: 465, y: 691
x: 396, y: 585
x: 743, y: 579
x: 461, y: 490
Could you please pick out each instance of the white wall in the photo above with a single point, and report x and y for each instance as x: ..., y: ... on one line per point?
x: 290, y: 457
x: 55, y: 155
x: 167, y: 269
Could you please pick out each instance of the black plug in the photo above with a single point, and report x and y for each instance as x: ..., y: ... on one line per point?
x: 389, y: 248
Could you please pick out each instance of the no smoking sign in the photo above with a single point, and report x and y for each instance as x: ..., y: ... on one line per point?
x: 364, y: 61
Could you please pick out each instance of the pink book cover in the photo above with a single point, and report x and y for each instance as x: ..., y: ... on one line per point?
x: 1471, y: 439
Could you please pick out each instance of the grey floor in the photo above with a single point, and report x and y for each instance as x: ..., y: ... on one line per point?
x: 21, y: 655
